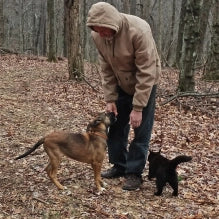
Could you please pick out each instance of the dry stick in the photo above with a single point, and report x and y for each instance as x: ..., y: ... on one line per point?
x: 40, y: 200
x: 5, y: 50
x: 93, y: 208
x: 189, y: 94
x: 84, y: 78
x: 94, y: 89
x: 4, y: 212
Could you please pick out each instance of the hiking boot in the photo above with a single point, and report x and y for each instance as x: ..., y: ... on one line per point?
x: 113, y: 172
x: 132, y: 182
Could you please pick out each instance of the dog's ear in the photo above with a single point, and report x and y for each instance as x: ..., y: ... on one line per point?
x: 95, y: 123
x: 88, y: 128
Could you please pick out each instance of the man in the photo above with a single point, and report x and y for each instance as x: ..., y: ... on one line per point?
x: 130, y: 71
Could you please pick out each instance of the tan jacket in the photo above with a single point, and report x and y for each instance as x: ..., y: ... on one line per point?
x: 129, y: 60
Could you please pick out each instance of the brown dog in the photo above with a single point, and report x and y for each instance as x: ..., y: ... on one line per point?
x: 88, y: 147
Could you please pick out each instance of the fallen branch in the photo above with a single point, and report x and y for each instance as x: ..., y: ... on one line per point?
x: 5, y: 50
x: 96, y: 211
x: 4, y: 212
x: 94, y: 89
x: 40, y: 200
x: 189, y: 95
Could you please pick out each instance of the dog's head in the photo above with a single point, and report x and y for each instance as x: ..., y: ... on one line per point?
x: 112, y: 117
x: 102, y: 121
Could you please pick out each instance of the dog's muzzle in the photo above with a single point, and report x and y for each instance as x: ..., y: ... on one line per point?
x: 112, y: 117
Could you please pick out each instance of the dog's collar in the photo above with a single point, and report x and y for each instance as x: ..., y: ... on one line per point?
x: 98, y: 134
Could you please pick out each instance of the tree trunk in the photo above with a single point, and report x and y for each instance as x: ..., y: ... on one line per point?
x: 51, y: 13
x: 126, y: 6
x: 21, y: 26
x: 180, y: 32
x: 75, y: 58
x: 146, y: 9
x: 159, y: 37
x: 1, y: 24
x: 35, y: 30
x: 191, y: 38
x: 171, y: 50
x: 65, y: 31
x: 212, y: 68
x: 133, y: 7
x: 43, y: 30
x: 203, y: 26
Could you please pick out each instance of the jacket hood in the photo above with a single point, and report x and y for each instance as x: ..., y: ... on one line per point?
x: 103, y: 14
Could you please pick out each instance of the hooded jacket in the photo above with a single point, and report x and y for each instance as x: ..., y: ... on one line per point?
x: 128, y: 60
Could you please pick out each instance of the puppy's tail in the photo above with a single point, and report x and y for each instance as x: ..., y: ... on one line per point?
x: 178, y: 160
x: 41, y: 141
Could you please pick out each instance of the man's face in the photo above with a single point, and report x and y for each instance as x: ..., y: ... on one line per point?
x: 104, y: 31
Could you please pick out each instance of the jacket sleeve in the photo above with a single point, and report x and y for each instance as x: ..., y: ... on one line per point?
x: 145, y: 60
x: 109, y: 81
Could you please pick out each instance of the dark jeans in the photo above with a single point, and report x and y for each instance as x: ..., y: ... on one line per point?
x: 133, y: 159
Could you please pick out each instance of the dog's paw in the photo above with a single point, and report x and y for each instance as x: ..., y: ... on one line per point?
x: 61, y: 187
x: 66, y: 191
x: 101, y: 191
x: 104, y: 184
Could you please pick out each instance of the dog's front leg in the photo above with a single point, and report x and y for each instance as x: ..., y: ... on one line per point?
x: 97, y: 177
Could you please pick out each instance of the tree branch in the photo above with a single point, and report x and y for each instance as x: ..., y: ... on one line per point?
x: 192, y: 94
x: 5, y: 50
x: 94, y: 89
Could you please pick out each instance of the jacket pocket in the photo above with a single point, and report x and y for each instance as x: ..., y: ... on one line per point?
x: 127, y: 81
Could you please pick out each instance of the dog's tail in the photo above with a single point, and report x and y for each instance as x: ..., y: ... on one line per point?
x: 41, y: 141
x: 179, y: 159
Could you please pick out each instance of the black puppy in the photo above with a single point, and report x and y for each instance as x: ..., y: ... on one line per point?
x: 164, y: 171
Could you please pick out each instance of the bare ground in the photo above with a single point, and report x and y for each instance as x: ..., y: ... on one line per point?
x: 36, y: 98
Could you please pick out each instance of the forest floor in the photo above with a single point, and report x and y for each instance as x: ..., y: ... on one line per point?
x: 37, y: 98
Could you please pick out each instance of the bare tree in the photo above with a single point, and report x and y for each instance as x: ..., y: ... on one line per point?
x: 126, y: 6
x: 133, y: 7
x: 75, y: 57
x: 191, y: 37
x: 39, y: 29
x: 51, y: 13
x: 1, y: 24
x: 203, y: 25
x: 42, y: 26
x: 212, y: 69
x: 146, y: 9
x: 159, y: 31
x: 171, y: 52
x: 21, y: 25
x: 26, y: 26
x: 180, y: 31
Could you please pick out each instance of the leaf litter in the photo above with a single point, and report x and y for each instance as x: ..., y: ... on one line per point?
x: 37, y: 98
